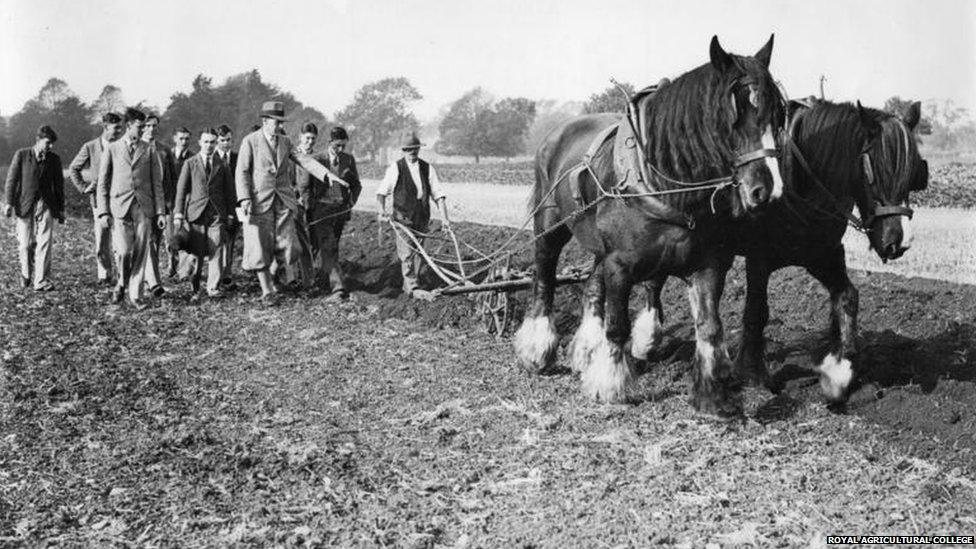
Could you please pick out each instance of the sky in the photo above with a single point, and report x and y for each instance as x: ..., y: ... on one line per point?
x: 322, y: 51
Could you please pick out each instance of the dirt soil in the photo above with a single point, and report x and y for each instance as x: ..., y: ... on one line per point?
x: 384, y: 421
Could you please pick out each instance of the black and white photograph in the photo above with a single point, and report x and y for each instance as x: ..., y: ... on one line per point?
x: 479, y: 274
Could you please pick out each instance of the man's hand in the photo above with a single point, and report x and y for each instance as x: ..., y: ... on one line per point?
x: 105, y: 221
x: 179, y: 221
x: 246, y: 206
x: 8, y: 210
x: 383, y: 217
x: 161, y: 222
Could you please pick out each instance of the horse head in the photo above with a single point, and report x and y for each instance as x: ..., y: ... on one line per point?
x: 892, y: 168
x: 751, y: 114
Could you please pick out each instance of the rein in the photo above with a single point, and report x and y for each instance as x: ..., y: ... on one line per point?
x: 879, y: 210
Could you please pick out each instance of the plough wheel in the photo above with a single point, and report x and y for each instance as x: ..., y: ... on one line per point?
x: 495, y: 308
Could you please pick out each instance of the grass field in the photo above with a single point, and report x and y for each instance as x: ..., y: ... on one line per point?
x: 944, y: 247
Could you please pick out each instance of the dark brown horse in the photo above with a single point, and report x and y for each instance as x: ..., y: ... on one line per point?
x: 714, y: 123
x: 841, y: 156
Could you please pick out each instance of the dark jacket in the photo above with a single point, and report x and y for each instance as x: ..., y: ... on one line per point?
x: 217, y: 191
x: 29, y: 181
x: 172, y: 168
x: 325, y: 198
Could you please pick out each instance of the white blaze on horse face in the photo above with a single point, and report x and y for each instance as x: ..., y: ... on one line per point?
x: 646, y: 333
x: 906, y: 230
x: 835, y: 375
x: 769, y: 142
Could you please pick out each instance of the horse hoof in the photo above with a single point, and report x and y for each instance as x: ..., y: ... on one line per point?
x: 836, y: 374
x: 607, y: 377
x: 535, y: 344
x: 724, y: 408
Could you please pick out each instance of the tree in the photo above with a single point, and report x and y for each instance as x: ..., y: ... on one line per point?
x: 5, y: 151
x: 379, y: 113
x: 899, y: 107
x: 464, y: 129
x: 110, y: 100
x: 609, y: 100
x: 71, y: 119
x: 952, y: 127
x: 52, y: 92
x: 549, y: 115
x: 509, y: 126
x: 57, y: 106
x: 476, y: 125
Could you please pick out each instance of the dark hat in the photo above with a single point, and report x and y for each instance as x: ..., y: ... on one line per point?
x: 273, y: 109
x: 410, y: 141
x: 338, y: 133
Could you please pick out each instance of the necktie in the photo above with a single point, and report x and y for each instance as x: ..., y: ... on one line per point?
x: 208, y: 167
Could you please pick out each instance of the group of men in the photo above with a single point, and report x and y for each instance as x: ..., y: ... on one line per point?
x: 289, y: 204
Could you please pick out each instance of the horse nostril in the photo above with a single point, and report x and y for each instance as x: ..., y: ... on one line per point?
x: 759, y: 195
x: 891, y: 250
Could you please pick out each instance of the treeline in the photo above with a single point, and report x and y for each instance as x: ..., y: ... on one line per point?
x: 476, y: 125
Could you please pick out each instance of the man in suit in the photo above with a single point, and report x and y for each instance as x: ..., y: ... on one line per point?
x: 225, y: 143
x: 205, y: 196
x: 265, y: 193
x: 88, y: 158
x: 130, y: 196
x: 159, y: 236
x: 329, y: 206
x: 35, y: 195
x: 173, y: 159
x: 413, y: 184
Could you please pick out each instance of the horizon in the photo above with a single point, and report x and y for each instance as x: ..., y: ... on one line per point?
x: 545, y: 50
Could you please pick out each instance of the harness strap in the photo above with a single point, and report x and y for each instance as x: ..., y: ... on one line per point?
x: 748, y: 157
x: 795, y: 151
x: 884, y: 211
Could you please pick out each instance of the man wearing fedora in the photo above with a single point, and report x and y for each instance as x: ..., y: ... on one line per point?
x: 266, y: 196
x: 413, y: 184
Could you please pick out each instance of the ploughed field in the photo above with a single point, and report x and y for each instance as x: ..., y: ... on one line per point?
x: 386, y: 421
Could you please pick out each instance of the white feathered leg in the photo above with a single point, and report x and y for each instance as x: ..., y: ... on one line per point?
x: 535, y: 343
x: 607, y: 376
x: 646, y: 333
x: 588, y: 336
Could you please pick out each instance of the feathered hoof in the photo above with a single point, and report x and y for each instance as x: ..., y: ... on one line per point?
x: 535, y: 343
x: 836, y: 374
x: 607, y: 377
x: 588, y: 337
x: 646, y: 334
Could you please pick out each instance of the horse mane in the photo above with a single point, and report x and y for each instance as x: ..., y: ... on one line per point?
x: 830, y: 137
x: 895, y: 163
x: 833, y: 135
x: 691, y: 119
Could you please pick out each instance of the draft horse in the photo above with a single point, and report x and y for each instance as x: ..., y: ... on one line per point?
x: 836, y: 157
x: 653, y: 202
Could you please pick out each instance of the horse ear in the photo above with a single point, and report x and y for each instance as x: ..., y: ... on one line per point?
x: 720, y: 59
x: 913, y: 115
x: 868, y: 121
x: 766, y: 52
